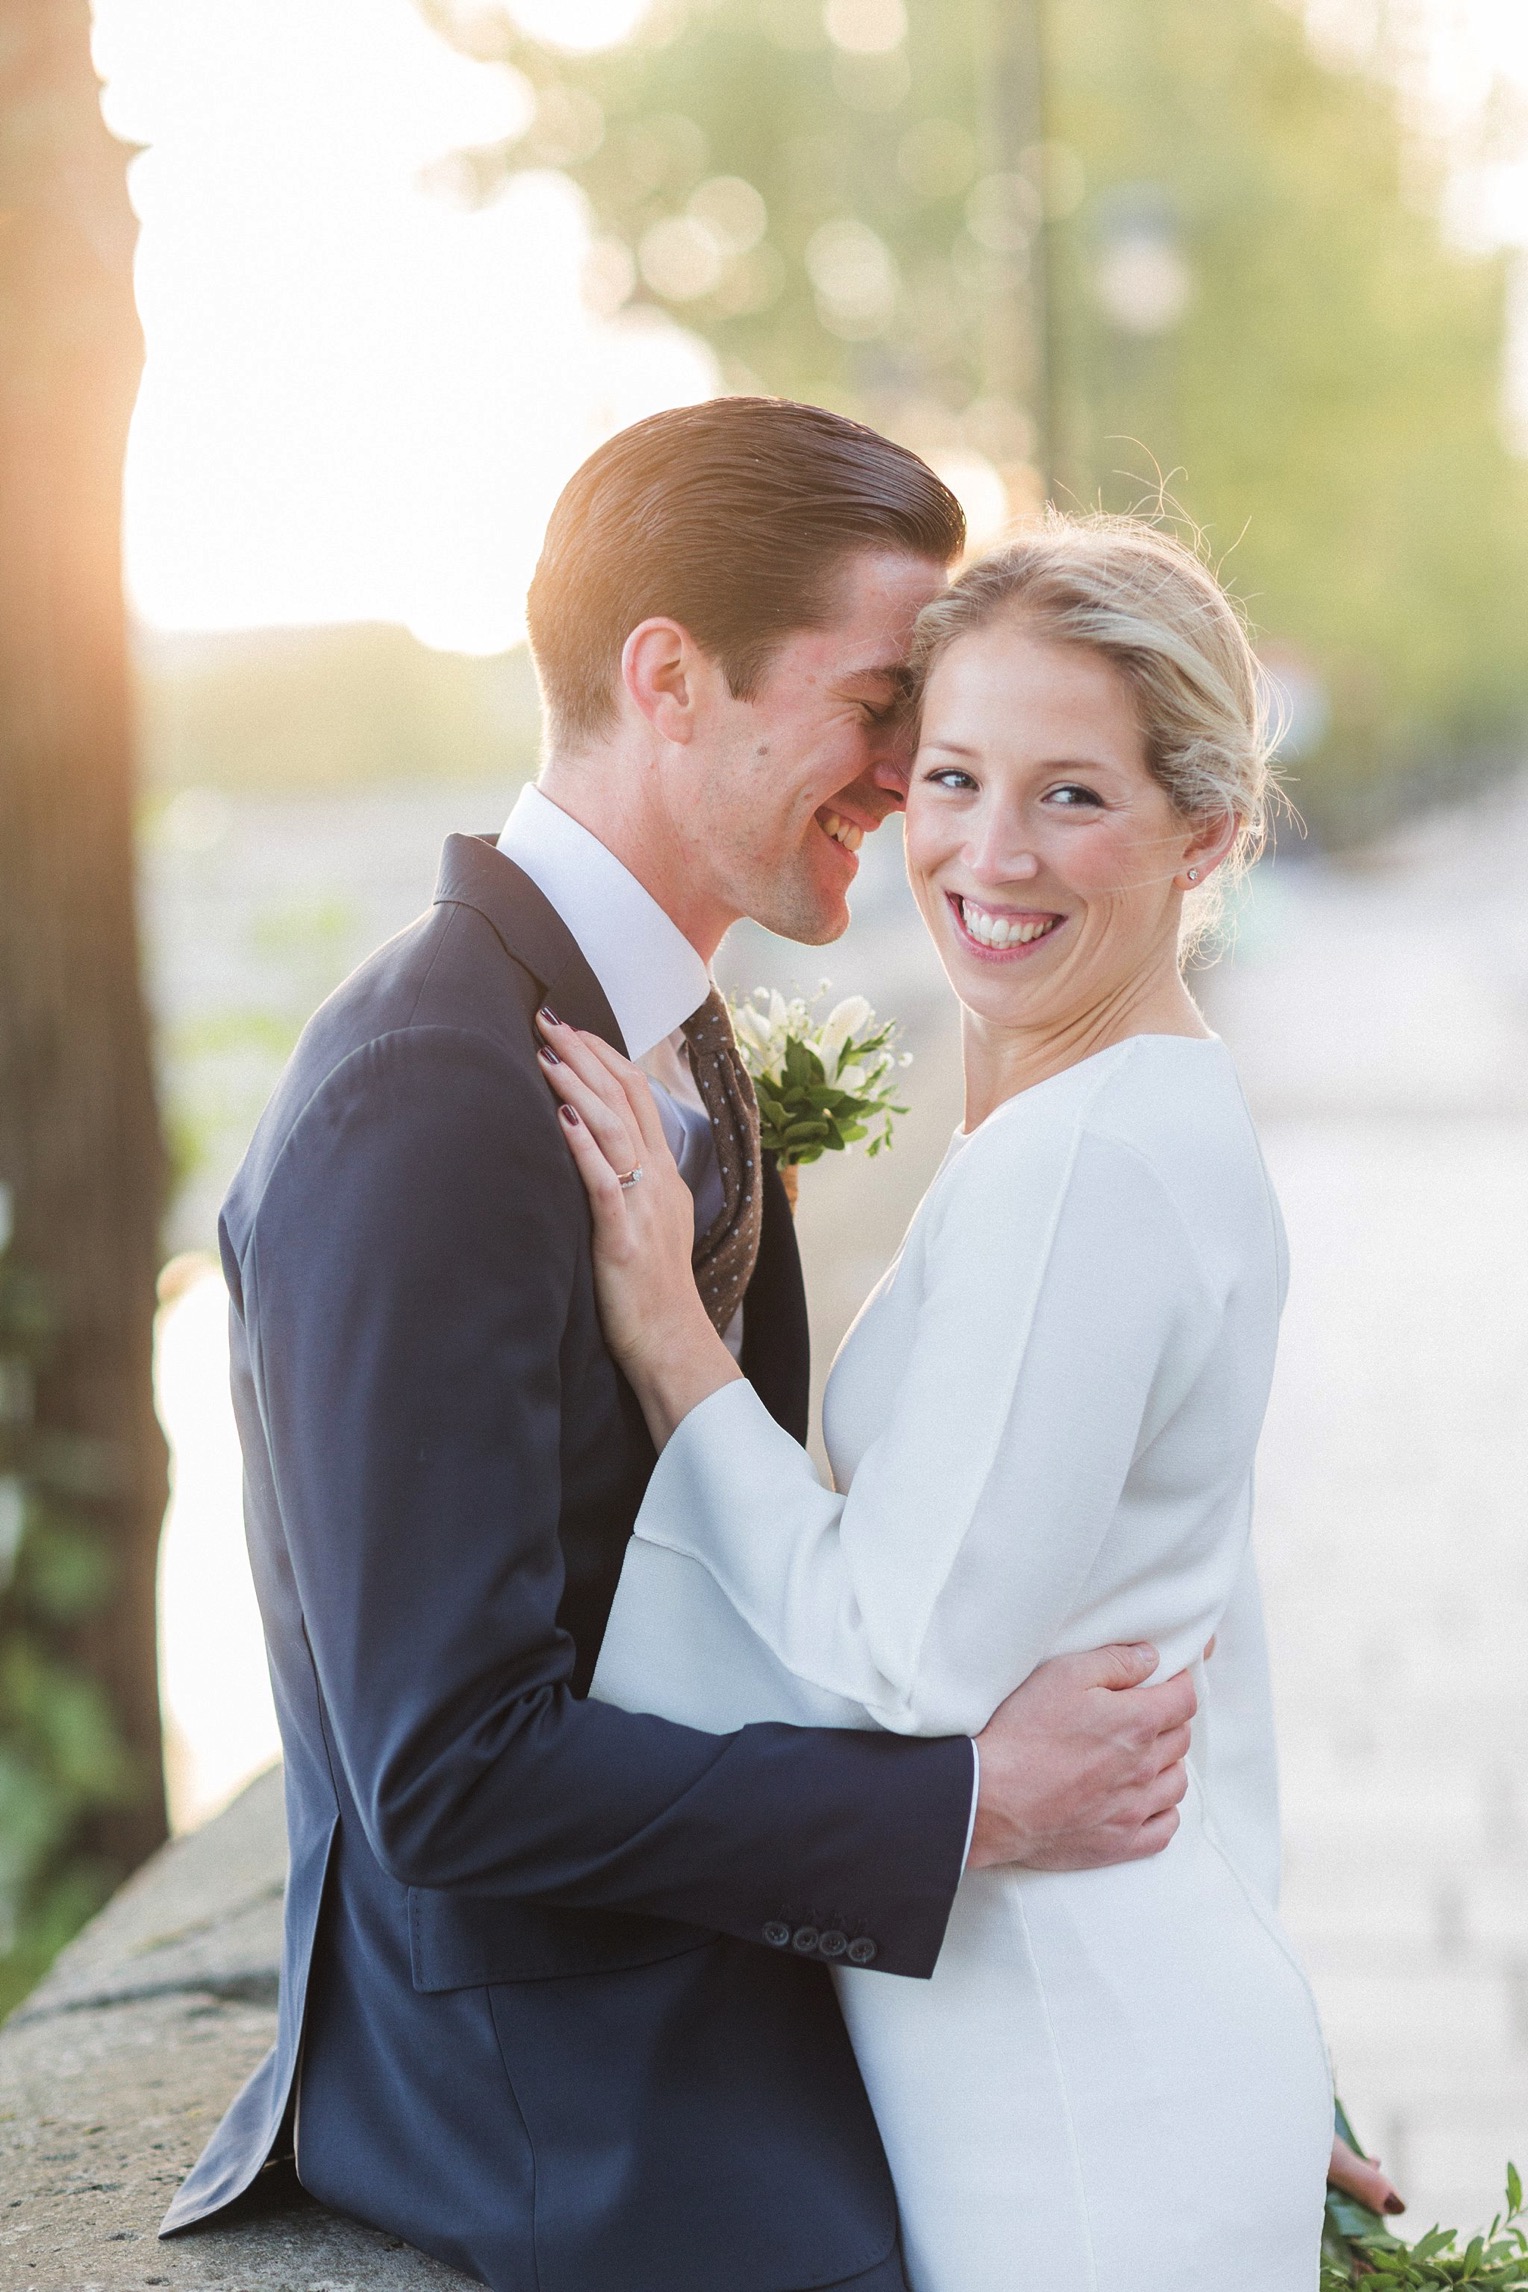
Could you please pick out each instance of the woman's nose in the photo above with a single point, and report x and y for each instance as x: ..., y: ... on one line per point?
x: 996, y: 860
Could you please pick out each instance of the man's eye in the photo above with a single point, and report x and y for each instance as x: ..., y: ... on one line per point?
x: 1072, y: 796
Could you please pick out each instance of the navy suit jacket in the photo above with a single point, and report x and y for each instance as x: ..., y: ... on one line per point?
x: 554, y: 2003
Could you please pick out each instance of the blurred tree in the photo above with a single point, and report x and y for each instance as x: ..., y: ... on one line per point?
x: 326, y: 707
x: 83, y: 1473
x: 1230, y: 245
x: 1258, y: 288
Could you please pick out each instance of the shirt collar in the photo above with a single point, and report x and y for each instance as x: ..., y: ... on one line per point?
x: 652, y: 977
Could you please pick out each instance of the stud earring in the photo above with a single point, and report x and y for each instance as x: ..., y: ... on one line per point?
x: 1193, y: 875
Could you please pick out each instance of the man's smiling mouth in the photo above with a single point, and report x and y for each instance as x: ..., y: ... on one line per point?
x: 841, y: 831
x: 999, y: 930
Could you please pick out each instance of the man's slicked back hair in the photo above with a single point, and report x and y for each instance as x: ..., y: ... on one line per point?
x: 734, y: 518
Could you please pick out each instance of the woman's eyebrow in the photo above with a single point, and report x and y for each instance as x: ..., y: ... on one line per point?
x: 951, y: 748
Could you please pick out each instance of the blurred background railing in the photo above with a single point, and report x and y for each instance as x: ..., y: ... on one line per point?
x: 398, y: 268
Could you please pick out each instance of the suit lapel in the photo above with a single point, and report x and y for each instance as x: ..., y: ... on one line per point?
x: 475, y: 873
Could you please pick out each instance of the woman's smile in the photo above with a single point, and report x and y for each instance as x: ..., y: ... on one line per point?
x: 1009, y: 934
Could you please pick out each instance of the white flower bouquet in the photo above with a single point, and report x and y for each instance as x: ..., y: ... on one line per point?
x: 823, y: 1085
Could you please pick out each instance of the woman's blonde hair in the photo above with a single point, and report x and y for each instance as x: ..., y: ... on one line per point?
x: 1150, y: 606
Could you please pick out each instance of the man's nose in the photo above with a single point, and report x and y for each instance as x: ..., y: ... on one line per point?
x: 891, y: 772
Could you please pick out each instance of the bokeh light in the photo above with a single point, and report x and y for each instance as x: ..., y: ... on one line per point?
x: 220, y: 1720
x: 579, y: 26
x: 361, y: 395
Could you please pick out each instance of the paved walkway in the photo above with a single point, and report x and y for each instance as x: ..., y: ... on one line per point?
x: 1381, y: 1021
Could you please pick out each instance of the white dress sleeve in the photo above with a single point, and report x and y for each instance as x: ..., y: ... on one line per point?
x: 1064, y: 1316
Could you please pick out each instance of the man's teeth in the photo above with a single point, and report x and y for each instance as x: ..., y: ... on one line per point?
x: 842, y: 831
x: 1004, y: 930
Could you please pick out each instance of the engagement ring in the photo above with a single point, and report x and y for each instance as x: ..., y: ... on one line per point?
x: 632, y: 1178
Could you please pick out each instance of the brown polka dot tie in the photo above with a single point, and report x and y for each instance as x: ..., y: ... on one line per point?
x: 727, y: 1252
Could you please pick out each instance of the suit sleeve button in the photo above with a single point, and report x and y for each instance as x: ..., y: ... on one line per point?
x: 805, y: 1940
x: 776, y: 1934
x: 861, y: 1950
x: 833, y: 1944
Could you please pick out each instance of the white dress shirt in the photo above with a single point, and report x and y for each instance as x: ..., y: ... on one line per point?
x: 652, y: 977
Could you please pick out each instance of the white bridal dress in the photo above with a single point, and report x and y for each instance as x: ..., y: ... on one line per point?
x: 1041, y: 1429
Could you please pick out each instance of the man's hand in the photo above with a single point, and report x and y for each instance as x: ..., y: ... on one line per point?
x: 1083, y: 1765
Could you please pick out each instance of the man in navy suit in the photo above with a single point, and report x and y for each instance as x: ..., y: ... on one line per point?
x: 555, y: 2002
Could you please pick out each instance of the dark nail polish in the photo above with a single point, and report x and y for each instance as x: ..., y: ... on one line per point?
x: 546, y: 1051
x: 546, y: 1012
x: 1395, y: 2204
x: 569, y: 1115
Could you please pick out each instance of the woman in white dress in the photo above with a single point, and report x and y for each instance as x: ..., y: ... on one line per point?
x: 1041, y: 1428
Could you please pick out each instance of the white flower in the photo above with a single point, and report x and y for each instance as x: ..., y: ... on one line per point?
x: 752, y: 1029
x: 849, y: 1018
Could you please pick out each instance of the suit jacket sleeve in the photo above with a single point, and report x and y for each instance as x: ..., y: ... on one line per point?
x: 405, y: 1281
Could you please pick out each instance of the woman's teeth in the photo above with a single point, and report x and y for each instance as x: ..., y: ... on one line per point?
x: 842, y: 831
x: 993, y: 930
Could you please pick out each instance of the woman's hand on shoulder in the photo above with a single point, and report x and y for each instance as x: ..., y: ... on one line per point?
x: 644, y: 1225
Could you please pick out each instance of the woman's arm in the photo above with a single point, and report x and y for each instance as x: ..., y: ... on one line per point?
x: 1055, y: 1330
x: 1057, y: 1283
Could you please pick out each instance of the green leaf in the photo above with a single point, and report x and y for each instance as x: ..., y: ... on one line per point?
x: 802, y: 1066
x: 1350, y: 2217
x: 1514, y: 2192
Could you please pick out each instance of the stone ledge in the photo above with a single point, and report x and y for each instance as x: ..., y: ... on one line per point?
x: 116, y: 2069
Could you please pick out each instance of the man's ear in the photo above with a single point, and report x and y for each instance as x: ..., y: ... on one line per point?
x: 661, y: 668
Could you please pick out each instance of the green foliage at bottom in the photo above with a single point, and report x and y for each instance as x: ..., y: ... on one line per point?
x: 62, y: 1758
x: 1358, y: 2248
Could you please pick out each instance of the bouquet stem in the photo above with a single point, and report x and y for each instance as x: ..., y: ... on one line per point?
x: 790, y: 1179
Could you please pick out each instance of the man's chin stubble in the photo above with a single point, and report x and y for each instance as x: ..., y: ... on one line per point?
x: 806, y: 922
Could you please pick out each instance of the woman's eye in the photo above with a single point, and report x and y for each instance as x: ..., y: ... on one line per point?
x: 1072, y: 796
x: 950, y: 776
